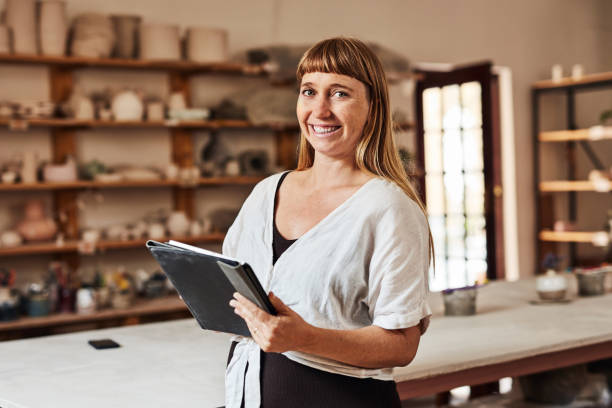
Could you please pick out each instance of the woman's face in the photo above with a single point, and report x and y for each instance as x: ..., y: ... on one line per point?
x: 332, y: 110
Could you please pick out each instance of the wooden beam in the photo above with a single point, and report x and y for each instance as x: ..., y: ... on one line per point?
x: 286, y: 149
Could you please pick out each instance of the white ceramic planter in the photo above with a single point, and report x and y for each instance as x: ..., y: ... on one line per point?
x: 159, y: 42
x: 53, y: 27
x: 206, y: 44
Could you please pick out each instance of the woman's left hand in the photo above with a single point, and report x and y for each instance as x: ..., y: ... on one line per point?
x: 283, y: 332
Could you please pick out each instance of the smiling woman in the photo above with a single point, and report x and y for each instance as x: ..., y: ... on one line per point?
x: 344, y: 244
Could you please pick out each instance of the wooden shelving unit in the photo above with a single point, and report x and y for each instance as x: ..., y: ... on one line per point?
x: 572, y: 137
x: 569, y: 185
x: 64, y: 133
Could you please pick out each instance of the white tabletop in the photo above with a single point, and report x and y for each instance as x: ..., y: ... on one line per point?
x: 178, y: 364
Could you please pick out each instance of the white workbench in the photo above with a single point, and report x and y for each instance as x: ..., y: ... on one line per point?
x: 178, y: 364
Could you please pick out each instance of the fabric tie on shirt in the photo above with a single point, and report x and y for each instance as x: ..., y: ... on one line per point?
x: 246, y: 351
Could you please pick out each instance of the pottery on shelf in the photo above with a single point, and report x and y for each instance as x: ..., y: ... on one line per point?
x: 85, y: 301
x: 126, y: 33
x: 35, y: 226
x: 195, y: 228
x: 61, y: 173
x: 53, y: 27
x: 10, y: 239
x: 551, y: 286
x: 127, y: 106
x: 29, y: 167
x: 178, y: 224
x: 93, y: 36
x: 20, y: 16
x: 155, y: 111
x: 232, y: 168
x: 156, y: 230
x: 9, y: 177
x: 159, y: 42
x: 206, y: 44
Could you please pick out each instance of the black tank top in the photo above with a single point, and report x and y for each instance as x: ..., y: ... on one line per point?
x: 279, y: 243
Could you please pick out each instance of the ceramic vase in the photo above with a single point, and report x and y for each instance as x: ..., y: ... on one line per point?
x: 5, y: 39
x: 178, y: 224
x: 206, y: 44
x: 21, y: 18
x: 35, y: 226
x: 127, y: 106
x: 53, y: 27
x: 159, y: 42
x: 93, y: 36
x: 28, y: 170
x: 126, y: 33
x: 551, y: 286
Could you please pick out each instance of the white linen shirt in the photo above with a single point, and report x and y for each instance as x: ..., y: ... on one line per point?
x: 365, y: 263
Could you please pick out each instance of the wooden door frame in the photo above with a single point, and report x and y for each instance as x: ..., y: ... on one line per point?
x: 480, y: 72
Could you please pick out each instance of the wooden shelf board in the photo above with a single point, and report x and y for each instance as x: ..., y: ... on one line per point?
x: 566, y: 185
x: 568, y: 236
x: 141, y: 307
x: 570, y: 135
x: 21, y: 124
x: 72, y: 246
x: 204, y: 181
x: 565, y: 82
x: 165, y: 65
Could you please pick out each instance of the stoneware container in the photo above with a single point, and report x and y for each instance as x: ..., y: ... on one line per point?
x: 591, y: 282
x: 126, y: 33
x: 53, y: 27
x: 127, y: 106
x: 551, y: 286
x: 459, y: 302
x: 178, y: 224
x: 206, y: 44
x: 21, y: 18
x: 159, y: 42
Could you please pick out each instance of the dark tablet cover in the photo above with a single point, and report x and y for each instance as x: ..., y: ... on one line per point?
x: 207, y: 282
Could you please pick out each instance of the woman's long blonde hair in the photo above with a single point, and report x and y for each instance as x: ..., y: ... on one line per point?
x: 376, y: 152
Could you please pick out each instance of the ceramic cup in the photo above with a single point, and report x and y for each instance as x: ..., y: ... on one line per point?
x: 206, y: 44
x: 159, y: 42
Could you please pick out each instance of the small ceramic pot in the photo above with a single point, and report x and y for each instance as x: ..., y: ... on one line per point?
x: 156, y: 231
x: 10, y: 239
x: 127, y: 105
x: 29, y: 167
x: 172, y: 171
x: 551, y: 286
x: 232, y: 168
x: 459, y: 302
x: 155, y: 111
x: 9, y: 177
x: 178, y: 224
x: 159, y: 42
x: 206, y: 44
x: 591, y: 283
x: 121, y: 300
x: 85, y: 301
